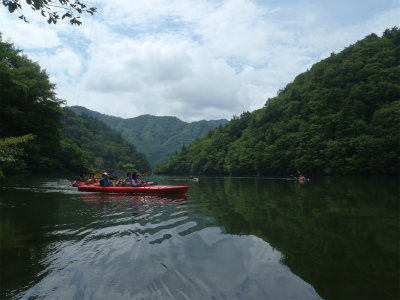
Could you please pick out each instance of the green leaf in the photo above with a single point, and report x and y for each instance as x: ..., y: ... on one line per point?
x: 66, y: 15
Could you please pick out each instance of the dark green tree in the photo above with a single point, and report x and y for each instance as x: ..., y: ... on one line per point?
x: 29, y: 106
x: 10, y: 149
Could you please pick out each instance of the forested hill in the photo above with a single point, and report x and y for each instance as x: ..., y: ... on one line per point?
x: 38, y: 135
x: 158, y: 137
x: 340, y: 117
x: 104, y: 147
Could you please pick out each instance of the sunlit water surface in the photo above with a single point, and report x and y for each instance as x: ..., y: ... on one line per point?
x: 228, y: 238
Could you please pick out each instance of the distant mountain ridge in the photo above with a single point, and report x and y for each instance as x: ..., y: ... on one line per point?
x: 158, y: 137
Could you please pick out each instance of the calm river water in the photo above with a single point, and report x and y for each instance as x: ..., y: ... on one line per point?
x: 228, y: 238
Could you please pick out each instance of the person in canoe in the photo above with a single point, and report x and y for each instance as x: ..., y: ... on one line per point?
x: 82, y: 177
x: 91, y: 179
x: 128, y: 180
x: 105, y: 181
x: 136, y: 180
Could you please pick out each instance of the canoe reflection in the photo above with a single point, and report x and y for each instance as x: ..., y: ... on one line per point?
x: 143, y: 207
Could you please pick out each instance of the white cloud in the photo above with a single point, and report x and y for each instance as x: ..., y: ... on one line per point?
x: 203, y: 59
x: 32, y: 36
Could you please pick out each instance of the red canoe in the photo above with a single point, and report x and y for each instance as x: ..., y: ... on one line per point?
x: 152, y: 189
x: 79, y: 183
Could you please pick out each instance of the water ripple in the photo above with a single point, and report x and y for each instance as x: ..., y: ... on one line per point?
x: 112, y: 246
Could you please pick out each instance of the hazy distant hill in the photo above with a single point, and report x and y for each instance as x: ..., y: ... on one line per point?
x: 104, y: 147
x: 158, y: 137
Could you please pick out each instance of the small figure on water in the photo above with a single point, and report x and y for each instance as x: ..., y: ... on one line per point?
x: 82, y: 177
x: 136, y: 179
x: 91, y: 179
x: 106, y: 180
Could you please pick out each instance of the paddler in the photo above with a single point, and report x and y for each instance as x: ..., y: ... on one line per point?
x: 106, y: 180
x: 91, y: 179
x: 136, y: 179
x: 82, y: 177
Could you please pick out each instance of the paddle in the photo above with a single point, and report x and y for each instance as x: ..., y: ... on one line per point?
x: 146, y: 173
x: 302, y: 177
x: 97, y: 175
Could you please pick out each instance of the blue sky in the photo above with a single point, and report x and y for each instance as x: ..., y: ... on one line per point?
x: 193, y: 59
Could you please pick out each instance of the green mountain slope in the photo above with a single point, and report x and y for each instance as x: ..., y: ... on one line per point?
x: 340, y: 117
x: 158, y: 137
x: 104, y: 146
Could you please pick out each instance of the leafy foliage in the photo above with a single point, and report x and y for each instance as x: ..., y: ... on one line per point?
x: 29, y: 106
x: 340, y: 117
x: 105, y: 147
x: 70, y: 8
x: 158, y: 137
x: 10, y: 149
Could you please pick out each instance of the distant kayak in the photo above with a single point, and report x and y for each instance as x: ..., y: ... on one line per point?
x: 190, y: 179
x: 152, y: 189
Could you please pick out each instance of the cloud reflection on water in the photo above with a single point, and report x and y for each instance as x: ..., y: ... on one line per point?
x: 161, y: 256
